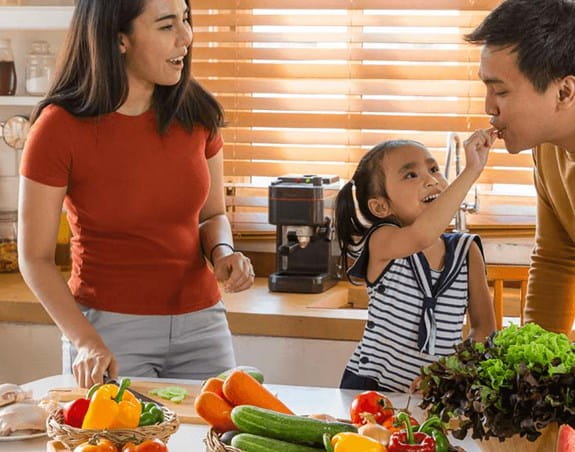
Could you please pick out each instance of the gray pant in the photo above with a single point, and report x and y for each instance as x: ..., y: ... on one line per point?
x: 195, y: 346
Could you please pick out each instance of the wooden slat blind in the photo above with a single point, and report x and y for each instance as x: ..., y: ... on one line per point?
x: 310, y: 86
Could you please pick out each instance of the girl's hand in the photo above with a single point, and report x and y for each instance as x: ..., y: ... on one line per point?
x: 477, y: 148
x: 235, y: 271
x: 92, y: 361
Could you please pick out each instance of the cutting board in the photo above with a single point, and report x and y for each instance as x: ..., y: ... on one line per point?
x: 185, y: 410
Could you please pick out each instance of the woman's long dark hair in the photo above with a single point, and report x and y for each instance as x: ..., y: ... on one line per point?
x: 91, y: 79
x: 369, y: 182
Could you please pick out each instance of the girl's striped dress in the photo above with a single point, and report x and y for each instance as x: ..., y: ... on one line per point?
x: 415, y: 314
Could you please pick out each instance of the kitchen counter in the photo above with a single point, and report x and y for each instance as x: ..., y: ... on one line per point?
x: 255, y: 312
x: 303, y: 400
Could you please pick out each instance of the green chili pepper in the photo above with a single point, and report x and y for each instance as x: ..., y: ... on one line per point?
x: 157, y: 413
x: 151, y: 414
x: 147, y: 419
x: 434, y: 428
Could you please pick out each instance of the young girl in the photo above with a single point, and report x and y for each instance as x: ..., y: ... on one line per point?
x: 420, y: 280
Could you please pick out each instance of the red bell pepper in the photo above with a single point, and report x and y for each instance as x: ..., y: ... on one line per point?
x: 75, y: 411
x: 408, y: 441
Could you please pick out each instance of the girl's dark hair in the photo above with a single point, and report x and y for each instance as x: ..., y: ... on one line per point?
x: 91, y: 80
x: 540, y: 31
x: 369, y: 183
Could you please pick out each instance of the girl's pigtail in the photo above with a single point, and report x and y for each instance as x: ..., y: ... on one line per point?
x: 347, y: 224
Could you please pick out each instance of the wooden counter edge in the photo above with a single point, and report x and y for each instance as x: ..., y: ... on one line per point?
x: 19, y: 305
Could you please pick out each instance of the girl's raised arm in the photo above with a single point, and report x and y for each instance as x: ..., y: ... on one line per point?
x: 391, y: 243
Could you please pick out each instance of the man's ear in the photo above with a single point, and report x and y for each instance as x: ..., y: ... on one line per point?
x: 379, y: 207
x: 566, y: 93
x: 122, y: 43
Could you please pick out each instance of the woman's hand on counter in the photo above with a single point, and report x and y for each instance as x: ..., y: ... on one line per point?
x: 235, y: 271
x: 94, y: 359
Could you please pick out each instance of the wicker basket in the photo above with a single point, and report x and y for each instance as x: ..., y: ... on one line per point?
x: 547, y: 442
x: 213, y: 443
x: 72, y: 437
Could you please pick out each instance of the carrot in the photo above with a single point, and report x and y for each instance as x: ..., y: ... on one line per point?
x: 215, y: 411
x: 214, y: 385
x: 240, y: 388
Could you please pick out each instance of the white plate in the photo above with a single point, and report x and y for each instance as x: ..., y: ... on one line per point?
x: 21, y: 437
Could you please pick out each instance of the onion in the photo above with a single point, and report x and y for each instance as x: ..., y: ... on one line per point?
x: 376, y: 432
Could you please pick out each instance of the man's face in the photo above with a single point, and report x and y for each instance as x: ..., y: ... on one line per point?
x: 523, y: 116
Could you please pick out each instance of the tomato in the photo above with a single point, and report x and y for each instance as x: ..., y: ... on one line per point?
x: 97, y: 445
x: 150, y: 445
x: 370, y: 403
x: 393, y: 425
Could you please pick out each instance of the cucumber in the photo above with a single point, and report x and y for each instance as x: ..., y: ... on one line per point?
x: 253, y: 371
x: 285, y: 427
x: 253, y: 443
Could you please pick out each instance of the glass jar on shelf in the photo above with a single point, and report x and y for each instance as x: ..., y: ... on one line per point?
x: 7, y: 69
x: 40, y: 65
x: 8, y: 243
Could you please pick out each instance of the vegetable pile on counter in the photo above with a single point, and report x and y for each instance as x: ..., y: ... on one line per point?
x: 252, y: 419
x: 518, y: 381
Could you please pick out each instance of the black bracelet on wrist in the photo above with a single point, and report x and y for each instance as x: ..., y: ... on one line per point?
x: 220, y: 244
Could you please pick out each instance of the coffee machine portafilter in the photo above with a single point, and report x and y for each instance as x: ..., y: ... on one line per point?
x: 307, y: 252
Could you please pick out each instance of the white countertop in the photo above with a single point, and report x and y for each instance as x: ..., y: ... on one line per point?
x: 189, y: 438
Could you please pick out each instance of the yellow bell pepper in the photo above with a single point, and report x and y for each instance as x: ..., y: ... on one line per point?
x: 354, y: 442
x: 112, y: 407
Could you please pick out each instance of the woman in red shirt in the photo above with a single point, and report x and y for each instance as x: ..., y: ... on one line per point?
x: 130, y: 144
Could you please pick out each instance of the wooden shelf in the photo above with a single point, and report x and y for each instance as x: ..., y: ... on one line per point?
x: 35, y: 17
x: 19, y: 101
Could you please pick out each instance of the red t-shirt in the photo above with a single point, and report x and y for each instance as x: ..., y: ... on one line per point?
x: 133, y: 203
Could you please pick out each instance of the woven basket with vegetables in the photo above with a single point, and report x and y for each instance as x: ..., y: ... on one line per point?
x: 245, y: 416
x: 111, y: 412
x: 516, y: 385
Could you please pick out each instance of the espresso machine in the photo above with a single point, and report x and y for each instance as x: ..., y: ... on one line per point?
x: 307, y: 251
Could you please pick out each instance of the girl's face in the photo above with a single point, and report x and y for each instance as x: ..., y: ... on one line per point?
x: 155, y: 49
x: 412, y: 181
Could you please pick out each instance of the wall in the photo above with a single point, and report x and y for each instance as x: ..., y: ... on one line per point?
x: 30, y: 352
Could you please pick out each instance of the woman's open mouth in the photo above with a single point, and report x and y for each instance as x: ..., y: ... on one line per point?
x: 177, y: 62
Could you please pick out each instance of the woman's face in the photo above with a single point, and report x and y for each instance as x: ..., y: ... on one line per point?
x: 155, y: 49
x: 412, y: 181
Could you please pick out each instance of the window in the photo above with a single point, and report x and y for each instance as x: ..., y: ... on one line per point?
x: 309, y: 86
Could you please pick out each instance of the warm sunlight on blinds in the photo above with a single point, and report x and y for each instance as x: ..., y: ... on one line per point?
x: 309, y: 86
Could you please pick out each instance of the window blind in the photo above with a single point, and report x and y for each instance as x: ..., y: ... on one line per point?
x: 309, y: 86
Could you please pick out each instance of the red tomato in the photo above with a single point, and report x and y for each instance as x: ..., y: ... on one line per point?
x: 393, y: 425
x: 370, y: 403
x: 150, y: 445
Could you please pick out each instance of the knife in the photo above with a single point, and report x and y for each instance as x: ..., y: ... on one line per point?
x: 139, y: 395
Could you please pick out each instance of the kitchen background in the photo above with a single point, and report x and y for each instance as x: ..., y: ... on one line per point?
x: 40, y: 344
